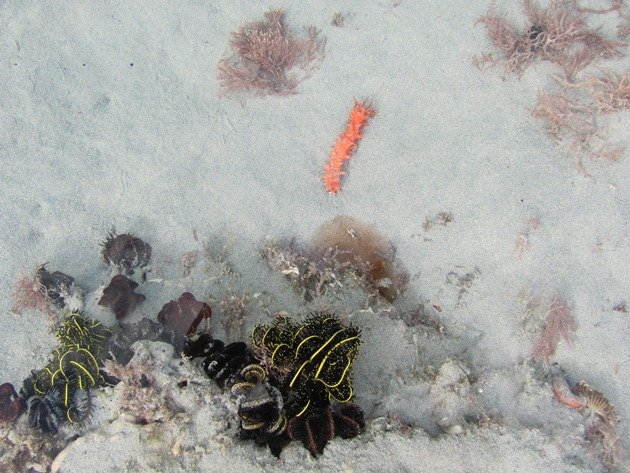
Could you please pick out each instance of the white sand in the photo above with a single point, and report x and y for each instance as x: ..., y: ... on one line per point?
x: 89, y: 141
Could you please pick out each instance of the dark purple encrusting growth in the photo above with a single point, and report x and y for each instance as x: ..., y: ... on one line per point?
x: 11, y: 405
x: 183, y: 316
x: 315, y: 430
x: 120, y: 296
x: 126, y: 252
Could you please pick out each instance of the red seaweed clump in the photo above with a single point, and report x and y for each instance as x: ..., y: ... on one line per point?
x: 183, y: 316
x: 120, y: 296
x: 268, y: 58
x: 11, y: 405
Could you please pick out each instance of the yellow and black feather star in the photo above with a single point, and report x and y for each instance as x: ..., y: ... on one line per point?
x: 313, y: 360
x: 63, y: 384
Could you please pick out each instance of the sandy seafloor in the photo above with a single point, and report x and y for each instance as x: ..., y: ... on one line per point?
x: 110, y: 116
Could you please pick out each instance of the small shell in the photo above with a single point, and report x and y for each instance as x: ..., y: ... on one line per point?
x: 449, y: 428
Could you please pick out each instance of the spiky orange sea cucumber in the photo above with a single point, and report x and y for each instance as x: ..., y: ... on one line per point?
x: 346, y: 144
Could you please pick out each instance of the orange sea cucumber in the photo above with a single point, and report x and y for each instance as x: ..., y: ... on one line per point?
x: 346, y: 144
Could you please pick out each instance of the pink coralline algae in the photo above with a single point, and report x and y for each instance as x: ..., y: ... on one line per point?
x: 11, y: 405
x: 120, y: 296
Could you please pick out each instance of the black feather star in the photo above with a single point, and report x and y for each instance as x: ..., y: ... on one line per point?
x: 313, y: 361
x: 295, y: 383
x: 224, y: 365
x: 60, y: 392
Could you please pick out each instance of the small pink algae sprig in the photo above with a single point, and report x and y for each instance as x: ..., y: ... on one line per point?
x: 558, y: 324
x: 30, y: 294
x: 346, y: 145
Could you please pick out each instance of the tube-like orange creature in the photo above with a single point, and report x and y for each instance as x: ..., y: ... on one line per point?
x: 346, y: 144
